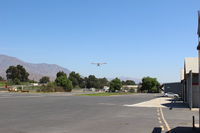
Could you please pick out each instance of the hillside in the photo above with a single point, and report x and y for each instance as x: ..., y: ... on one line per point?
x: 36, y: 71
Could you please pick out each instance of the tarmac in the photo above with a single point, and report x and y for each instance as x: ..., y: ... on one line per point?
x: 67, y: 113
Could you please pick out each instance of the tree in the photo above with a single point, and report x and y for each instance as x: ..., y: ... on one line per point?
x: 23, y: 74
x: 45, y: 80
x: 115, y: 85
x: 32, y: 81
x: 16, y: 81
x: 151, y: 85
x: 92, y: 82
x: 82, y: 83
x: 61, y: 73
x: 128, y: 82
x: 103, y: 82
x: 75, y: 78
x: 62, y: 81
x: 1, y: 78
x: 17, y: 73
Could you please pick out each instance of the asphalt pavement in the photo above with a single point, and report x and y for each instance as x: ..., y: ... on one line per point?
x: 65, y: 113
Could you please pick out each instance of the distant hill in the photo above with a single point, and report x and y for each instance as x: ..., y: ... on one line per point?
x: 36, y: 71
x: 128, y: 78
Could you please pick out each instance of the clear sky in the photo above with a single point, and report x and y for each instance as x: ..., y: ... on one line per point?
x: 136, y: 38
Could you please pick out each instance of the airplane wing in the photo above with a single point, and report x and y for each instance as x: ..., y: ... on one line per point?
x: 99, y: 63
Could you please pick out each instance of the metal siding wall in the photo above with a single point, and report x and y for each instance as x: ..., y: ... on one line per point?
x: 190, y: 89
x: 187, y: 89
x: 174, y: 87
x: 195, y: 90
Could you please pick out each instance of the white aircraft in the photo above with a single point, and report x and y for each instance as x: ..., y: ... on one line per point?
x: 99, y: 64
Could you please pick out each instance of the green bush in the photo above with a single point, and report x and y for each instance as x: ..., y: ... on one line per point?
x: 154, y: 90
x: 19, y: 88
x: 2, y: 84
x: 62, y: 81
x: 150, y: 85
x: 59, y: 89
x: 52, y: 87
x: 44, y: 80
x: 16, y: 81
x: 115, y: 85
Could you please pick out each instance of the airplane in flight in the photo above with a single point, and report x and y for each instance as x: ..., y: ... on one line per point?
x: 99, y: 64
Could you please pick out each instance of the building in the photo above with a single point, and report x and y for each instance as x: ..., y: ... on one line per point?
x: 190, y: 82
x: 130, y: 88
x: 198, y: 48
x: 176, y: 88
x: 106, y: 88
x: 34, y: 84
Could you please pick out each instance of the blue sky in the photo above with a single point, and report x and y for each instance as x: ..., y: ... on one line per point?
x: 136, y: 38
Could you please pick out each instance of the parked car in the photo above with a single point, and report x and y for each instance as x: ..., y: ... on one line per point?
x: 12, y: 89
x: 170, y: 94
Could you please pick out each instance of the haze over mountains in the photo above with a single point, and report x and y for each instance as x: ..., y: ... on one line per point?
x: 137, y: 80
x: 36, y: 71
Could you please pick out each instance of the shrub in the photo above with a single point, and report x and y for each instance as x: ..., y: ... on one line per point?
x: 62, y: 81
x: 44, y: 80
x: 52, y: 87
x: 115, y: 85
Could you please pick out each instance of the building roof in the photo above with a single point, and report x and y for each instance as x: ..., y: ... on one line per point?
x: 131, y: 86
x: 191, y: 64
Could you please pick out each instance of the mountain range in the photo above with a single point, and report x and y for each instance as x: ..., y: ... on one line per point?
x: 36, y: 71
x: 137, y: 80
x: 122, y: 78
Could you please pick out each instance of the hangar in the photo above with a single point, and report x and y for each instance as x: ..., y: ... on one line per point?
x: 190, y: 82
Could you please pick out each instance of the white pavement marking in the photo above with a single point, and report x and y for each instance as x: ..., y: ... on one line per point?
x: 159, y: 119
x: 196, y: 125
x: 163, y: 118
x: 162, y: 128
x: 106, y: 103
x: 157, y: 102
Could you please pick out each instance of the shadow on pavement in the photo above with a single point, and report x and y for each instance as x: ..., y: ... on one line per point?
x: 178, y: 130
x: 157, y: 130
x: 175, y: 103
x: 184, y: 130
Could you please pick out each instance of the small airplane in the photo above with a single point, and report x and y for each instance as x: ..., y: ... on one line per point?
x: 99, y: 64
